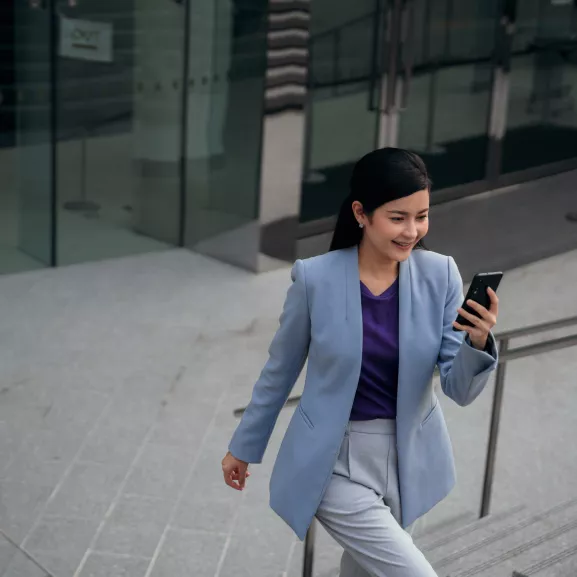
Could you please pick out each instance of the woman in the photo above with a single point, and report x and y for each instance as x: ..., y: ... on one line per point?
x: 367, y: 450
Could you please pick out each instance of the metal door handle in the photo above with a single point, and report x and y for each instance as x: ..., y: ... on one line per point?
x: 381, y: 41
x: 395, y: 40
x: 407, y: 51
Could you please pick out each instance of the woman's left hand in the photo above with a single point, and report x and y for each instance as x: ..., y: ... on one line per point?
x: 479, y: 332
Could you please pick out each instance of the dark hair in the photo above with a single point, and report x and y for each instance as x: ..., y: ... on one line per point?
x: 379, y: 177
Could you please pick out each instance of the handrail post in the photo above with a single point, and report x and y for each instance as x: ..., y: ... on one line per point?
x: 309, y: 555
x: 494, y: 431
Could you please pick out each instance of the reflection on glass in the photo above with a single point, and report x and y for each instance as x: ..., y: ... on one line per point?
x: 342, y: 115
x: 25, y: 138
x: 542, y: 111
x: 226, y: 84
x: 447, y: 113
x: 119, y: 115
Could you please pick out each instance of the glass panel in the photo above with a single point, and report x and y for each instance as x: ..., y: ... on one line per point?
x: 342, y: 121
x: 25, y: 137
x: 226, y: 84
x: 542, y: 111
x: 447, y: 111
x: 119, y: 116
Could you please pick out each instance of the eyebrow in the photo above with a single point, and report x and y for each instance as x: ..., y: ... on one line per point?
x: 404, y: 213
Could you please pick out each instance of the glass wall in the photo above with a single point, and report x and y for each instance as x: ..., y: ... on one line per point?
x: 225, y: 101
x: 448, y: 102
x: 344, y: 94
x: 119, y: 75
x: 433, y: 97
x: 482, y: 89
x: 129, y: 126
x: 542, y: 108
x: 25, y: 137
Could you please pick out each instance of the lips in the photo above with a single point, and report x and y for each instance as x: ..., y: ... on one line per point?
x: 404, y: 245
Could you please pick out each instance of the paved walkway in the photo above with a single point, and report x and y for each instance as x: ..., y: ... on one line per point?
x: 118, y: 384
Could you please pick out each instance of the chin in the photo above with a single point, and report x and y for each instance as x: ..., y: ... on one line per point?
x: 404, y: 257
x: 401, y: 255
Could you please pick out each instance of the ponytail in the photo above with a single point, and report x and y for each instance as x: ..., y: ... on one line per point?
x: 347, y: 231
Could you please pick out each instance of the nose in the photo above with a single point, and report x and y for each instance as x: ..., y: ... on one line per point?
x: 411, y: 232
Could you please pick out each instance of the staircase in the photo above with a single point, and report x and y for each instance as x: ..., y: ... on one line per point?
x: 516, y: 543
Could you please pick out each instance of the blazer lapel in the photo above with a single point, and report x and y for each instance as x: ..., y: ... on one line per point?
x: 353, y: 311
x: 406, y: 329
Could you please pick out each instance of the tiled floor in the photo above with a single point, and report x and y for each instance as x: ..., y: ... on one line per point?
x: 118, y: 384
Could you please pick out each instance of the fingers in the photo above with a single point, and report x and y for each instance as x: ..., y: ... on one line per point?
x: 476, y: 306
x: 467, y: 328
x: 475, y: 320
x: 494, y: 301
x: 229, y: 480
x: 493, y: 309
x: 235, y: 477
x: 486, y: 315
x: 242, y: 478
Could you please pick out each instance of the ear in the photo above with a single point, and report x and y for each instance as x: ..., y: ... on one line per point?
x: 359, y: 212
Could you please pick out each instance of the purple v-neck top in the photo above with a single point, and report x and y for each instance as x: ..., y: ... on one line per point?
x: 376, y: 396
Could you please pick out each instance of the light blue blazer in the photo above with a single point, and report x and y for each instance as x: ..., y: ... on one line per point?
x: 322, y: 319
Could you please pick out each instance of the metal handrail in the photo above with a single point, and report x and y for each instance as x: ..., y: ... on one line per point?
x: 506, y: 354
x: 536, y: 329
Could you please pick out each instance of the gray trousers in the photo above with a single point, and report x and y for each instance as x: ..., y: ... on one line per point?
x: 361, y: 508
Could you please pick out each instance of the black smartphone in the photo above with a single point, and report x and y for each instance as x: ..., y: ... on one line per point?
x: 478, y: 292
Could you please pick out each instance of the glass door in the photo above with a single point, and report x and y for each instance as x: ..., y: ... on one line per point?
x: 344, y: 89
x: 26, y: 136
x: 411, y: 73
x: 224, y: 109
x: 541, y: 121
x: 120, y: 85
x: 444, y: 86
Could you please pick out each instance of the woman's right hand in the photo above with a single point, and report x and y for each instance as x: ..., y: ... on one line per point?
x: 235, y: 472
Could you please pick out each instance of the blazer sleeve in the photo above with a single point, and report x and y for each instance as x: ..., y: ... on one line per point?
x: 287, y: 354
x: 464, y: 369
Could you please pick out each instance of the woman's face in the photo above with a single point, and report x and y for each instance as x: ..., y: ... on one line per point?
x: 395, y: 227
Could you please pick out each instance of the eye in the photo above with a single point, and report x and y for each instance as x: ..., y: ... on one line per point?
x: 424, y: 217
x: 396, y: 219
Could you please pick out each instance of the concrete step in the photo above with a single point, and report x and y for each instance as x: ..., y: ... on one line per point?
x: 528, y: 553
x: 497, y: 542
x: 562, y: 564
x: 438, y: 530
x: 475, y: 528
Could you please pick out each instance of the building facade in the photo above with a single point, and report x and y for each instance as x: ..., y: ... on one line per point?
x: 230, y: 127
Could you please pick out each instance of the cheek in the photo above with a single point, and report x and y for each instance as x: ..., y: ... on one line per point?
x: 386, y: 229
x: 423, y: 228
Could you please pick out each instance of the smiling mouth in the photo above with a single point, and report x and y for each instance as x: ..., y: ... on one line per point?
x: 403, y: 244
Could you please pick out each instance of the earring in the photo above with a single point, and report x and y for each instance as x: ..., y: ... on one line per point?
x: 361, y: 225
